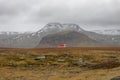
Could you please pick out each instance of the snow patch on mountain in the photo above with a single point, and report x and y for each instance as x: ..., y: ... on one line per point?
x: 108, y: 31
x: 60, y: 27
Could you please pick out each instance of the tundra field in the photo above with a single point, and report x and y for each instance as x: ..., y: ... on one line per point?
x: 75, y: 63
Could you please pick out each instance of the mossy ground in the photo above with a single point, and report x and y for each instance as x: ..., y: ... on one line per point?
x: 20, y: 64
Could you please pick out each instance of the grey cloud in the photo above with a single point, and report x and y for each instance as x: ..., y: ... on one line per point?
x: 100, y: 12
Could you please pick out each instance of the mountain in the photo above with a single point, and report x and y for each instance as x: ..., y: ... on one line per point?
x: 52, y: 28
x: 109, y: 40
x: 108, y: 31
x: 13, y: 39
x: 71, y: 38
x: 32, y: 39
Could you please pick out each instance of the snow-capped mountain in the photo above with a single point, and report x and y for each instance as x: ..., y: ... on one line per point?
x: 57, y: 27
x: 10, y: 33
x: 108, y: 31
x: 32, y: 39
x: 61, y: 27
x: 52, y: 28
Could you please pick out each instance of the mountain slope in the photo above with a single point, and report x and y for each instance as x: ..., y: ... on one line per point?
x: 71, y: 38
x: 108, y: 31
x: 32, y: 39
x: 108, y: 40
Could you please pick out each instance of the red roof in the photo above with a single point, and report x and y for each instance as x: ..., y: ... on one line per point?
x: 62, y: 45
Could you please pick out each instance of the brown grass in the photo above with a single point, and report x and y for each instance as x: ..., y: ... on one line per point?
x: 100, y: 63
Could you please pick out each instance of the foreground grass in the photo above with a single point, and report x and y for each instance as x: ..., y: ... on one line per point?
x: 20, y: 64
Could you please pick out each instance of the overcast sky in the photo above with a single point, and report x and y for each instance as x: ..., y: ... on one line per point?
x: 31, y: 15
